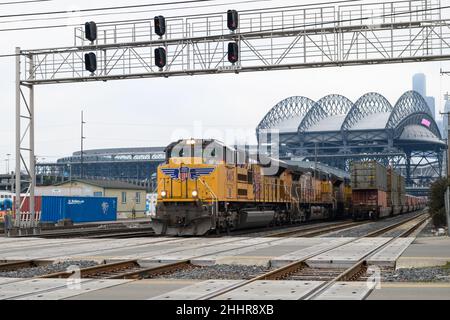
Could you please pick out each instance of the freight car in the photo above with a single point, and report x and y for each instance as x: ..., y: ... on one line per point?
x: 205, y: 186
x: 6, y: 205
x: 379, y: 192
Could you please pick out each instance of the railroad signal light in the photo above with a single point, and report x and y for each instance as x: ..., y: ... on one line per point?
x: 232, y: 20
x: 233, y: 52
x: 90, y: 62
x: 160, y: 25
x: 160, y: 57
x: 90, y: 31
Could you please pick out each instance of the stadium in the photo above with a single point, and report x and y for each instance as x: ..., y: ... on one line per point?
x: 335, y: 131
x: 135, y: 165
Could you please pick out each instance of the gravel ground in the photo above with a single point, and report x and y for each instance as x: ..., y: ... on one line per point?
x: 434, y: 274
x: 222, y: 272
x: 362, y: 230
x: 51, y: 268
x: 428, y: 231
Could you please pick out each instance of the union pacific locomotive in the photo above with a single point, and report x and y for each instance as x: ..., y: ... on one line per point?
x: 205, y: 186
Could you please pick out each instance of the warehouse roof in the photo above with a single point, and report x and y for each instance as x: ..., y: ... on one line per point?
x: 107, y: 184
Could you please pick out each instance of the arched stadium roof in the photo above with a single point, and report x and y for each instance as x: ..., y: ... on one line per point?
x: 372, y: 111
x: 287, y: 114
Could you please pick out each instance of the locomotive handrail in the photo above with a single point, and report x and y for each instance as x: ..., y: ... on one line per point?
x: 216, y: 199
x: 297, y: 198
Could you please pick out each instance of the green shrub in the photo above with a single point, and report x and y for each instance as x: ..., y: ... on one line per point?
x: 437, y: 202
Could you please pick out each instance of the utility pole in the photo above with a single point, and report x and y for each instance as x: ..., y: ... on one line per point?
x: 446, y: 121
x: 7, y: 171
x: 82, y: 144
x: 7, y: 163
x: 315, y: 159
x: 447, y: 193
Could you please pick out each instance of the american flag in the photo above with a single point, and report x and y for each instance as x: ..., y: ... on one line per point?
x: 426, y: 123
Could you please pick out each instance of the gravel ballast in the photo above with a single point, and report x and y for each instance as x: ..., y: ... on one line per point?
x: 432, y: 274
x: 46, y: 269
x: 220, y: 272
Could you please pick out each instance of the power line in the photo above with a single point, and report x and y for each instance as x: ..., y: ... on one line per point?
x: 8, y: 55
x: 168, y: 125
x: 138, y: 20
x: 137, y: 12
x: 247, y: 33
x: 20, y: 2
x: 102, y: 8
x: 182, y: 8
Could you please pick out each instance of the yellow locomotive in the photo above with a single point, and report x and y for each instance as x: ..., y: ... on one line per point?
x: 205, y: 186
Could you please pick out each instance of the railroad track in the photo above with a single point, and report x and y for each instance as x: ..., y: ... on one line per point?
x: 22, y: 264
x: 99, y: 233
x: 301, y: 270
x: 124, y: 235
x: 129, y: 269
x: 315, y: 231
x: 380, y: 232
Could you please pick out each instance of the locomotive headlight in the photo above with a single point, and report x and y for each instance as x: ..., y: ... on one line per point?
x: 163, y: 193
x: 195, y: 193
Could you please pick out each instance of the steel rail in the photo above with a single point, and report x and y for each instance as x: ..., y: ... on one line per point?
x: 298, y: 265
x: 359, y: 266
x: 152, y: 271
x: 318, y: 230
x: 21, y: 264
x: 90, y: 232
x: 381, y: 231
x: 137, y: 272
x: 101, y: 268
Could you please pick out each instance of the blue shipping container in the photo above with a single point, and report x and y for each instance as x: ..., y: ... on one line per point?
x: 78, y: 209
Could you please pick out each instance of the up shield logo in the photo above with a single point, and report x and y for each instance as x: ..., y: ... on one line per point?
x: 184, y: 173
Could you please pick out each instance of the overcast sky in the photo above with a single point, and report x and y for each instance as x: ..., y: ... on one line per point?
x: 153, y: 112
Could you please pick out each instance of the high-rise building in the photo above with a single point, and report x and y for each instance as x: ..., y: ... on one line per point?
x: 420, y: 85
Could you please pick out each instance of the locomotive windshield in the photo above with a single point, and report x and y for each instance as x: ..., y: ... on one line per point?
x: 201, y: 151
